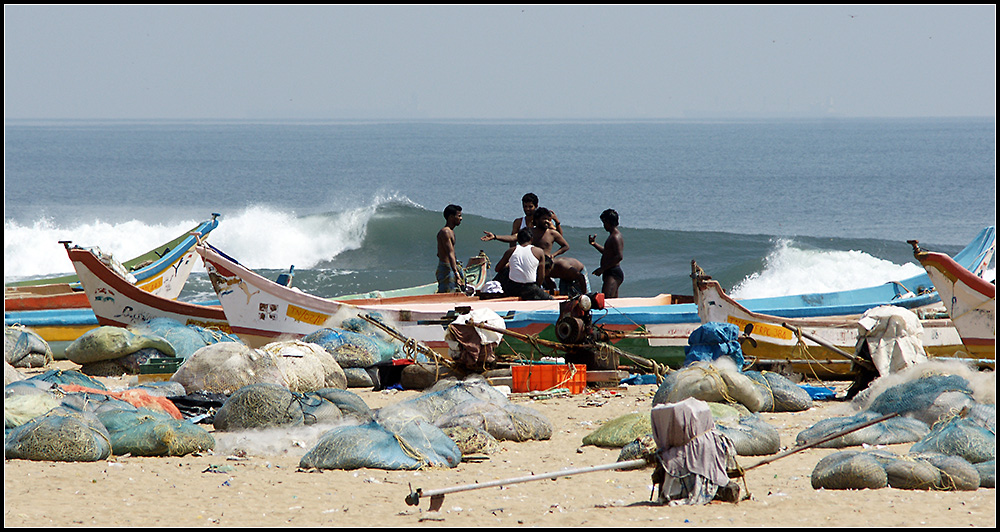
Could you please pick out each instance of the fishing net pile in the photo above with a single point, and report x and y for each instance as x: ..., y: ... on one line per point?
x: 879, y: 469
x: 228, y: 366
x: 927, y: 398
x: 713, y: 382
x: 471, y: 403
x: 68, y: 416
x: 185, y: 339
x: 264, y: 405
x: 24, y: 348
x: 359, y: 346
x: 413, y: 444
x: 780, y: 393
x: 949, y: 414
x: 114, y: 350
x: 621, y: 431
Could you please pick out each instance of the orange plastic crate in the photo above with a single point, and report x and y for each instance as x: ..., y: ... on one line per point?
x: 541, y: 377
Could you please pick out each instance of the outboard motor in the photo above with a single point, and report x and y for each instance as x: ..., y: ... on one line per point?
x: 574, y: 325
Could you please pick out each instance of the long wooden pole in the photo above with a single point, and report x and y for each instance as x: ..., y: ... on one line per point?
x: 831, y: 347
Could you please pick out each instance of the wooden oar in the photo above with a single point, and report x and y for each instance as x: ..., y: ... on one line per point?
x: 835, y: 349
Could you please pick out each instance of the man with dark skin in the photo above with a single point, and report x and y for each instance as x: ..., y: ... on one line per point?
x: 527, y: 268
x: 612, y: 253
x: 529, y: 202
x: 448, y: 274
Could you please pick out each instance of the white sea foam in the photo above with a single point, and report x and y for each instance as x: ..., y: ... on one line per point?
x: 259, y: 236
x: 791, y: 270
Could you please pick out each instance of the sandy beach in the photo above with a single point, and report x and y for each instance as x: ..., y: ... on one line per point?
x: 254, y: 480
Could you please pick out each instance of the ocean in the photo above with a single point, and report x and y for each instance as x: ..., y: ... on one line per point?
x: 767, y: 207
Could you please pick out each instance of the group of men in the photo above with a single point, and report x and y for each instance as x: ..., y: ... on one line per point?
x: 530, y: 266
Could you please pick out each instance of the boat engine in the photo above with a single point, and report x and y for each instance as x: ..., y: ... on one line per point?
x: 585, y: 343
x: 575, y: 325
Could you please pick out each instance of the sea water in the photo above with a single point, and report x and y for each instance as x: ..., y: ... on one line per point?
x: 767, y: 207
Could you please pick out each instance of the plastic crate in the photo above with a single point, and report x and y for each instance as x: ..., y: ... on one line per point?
x: 541, y: 377
x: 159, y: 369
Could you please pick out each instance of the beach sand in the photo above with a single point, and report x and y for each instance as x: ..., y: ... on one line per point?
x: 263, y: 486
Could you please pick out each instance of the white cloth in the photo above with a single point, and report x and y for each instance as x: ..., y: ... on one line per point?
x: 893, y: 338
x: 523, y: 265
x: 481, y: 315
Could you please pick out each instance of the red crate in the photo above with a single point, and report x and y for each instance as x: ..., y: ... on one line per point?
x: 541, y: 377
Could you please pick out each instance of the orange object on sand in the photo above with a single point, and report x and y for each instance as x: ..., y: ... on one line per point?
x: 133, y: 396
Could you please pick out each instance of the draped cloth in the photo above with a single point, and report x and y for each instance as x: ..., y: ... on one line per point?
x: 691, y: 452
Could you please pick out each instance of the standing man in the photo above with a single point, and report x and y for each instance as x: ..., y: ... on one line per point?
x: 612, y: 253
x: 448, y: 275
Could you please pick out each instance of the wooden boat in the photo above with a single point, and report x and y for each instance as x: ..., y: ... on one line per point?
x: 119, y: 303
x: 164, y: 277
x: 970, y: 300
x: 803, y: 344
x: 657, y: 328
x: 116, y: 302
x: 159, y: 271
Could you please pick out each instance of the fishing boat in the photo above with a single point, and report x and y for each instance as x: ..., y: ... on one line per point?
x: 970, y: 300
x: 657, y: 328
x: 822, y: 346
x: 164, y: 277
x: 161, y: 270
x: 116, y: 302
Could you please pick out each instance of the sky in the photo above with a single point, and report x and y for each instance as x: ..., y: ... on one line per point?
x: 497, y: 62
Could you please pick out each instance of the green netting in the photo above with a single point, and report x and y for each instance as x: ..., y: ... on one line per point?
x: 109, y: 343
x: 93, y: 403
x: 849, y: 470
x: 62, y: 435
x: 259, y: 406
x: 780, y: 393
x: 24, y: 348
x: 472, y: 440
x: 959, y: 437
x: 880, y: 468
x: 407, y: 446
x: 620, y: 431
x: 894, y: 430
x: 145, y: 432
x: 128, y: 364
x: 642, y: 447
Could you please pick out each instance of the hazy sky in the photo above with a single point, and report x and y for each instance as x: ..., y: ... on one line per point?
x: 193, y: 62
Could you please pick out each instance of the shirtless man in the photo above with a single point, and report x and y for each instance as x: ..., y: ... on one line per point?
x: 572, y: 275
x: 543, y: 234
x: 448, y: 274
x: 529, y: 202
x: 527, y: 268
x: 612, y: 253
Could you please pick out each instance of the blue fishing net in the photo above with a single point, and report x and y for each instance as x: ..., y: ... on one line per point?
x: 962, y: 437
x: 144, y: 432
x: 351, y: 349
x: 712, y: 341
x: 411, y: 445
x: 60, y: 377
x: 782, y: 395
x: 893, y: 430
x: 185, y: 339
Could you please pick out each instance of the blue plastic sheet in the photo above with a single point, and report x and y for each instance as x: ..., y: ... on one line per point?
x: 713, y: 341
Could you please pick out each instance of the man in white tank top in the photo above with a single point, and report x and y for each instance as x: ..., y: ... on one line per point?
x: 527, y: 268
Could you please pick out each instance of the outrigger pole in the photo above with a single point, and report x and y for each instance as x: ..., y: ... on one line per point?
x: 437, y: 496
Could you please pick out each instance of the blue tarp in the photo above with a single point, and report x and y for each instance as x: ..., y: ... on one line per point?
x: 712, y: 341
